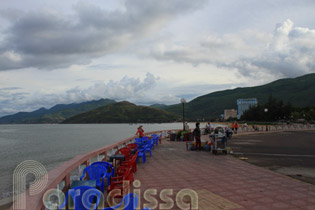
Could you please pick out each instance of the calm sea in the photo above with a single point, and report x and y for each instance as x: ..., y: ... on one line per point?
x: 54, y: 144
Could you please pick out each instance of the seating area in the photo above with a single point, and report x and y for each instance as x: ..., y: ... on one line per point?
x: 113, y: 178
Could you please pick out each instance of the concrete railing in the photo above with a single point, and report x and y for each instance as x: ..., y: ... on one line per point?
x: 61, y: 177
x: 254, y: 128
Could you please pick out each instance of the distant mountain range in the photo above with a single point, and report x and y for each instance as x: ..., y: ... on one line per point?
x: 300, y: 92
x: 55, y: 114
x: 123, y: 112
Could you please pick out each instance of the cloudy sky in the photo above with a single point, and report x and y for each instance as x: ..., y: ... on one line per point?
x: 147, y: 51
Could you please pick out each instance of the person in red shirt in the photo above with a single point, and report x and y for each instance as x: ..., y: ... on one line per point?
x: 140, y: 131
x: 235, y: 127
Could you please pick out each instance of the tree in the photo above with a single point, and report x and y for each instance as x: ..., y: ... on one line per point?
x: 276, y: 110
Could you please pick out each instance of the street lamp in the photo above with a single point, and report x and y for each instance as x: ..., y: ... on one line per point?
x: 266, y: 110
x: 183, y: 101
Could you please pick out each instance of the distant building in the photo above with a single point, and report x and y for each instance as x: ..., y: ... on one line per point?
x: 230, y: 113
x: 244, y: 104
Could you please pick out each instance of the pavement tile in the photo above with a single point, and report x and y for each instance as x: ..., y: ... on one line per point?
x: 259, y: 208
x: 280, y: 205
x: 283, y: 197
x: 266, y: 200
x: 311, y: 207
x: 299, y: 203
x: 221, y: 181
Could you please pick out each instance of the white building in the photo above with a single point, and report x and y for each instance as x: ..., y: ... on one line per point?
x: 244, y: 104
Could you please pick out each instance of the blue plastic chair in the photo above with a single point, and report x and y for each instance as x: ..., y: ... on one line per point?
x: 141, y: 154
x: 130, y: 202
x: 107, y: 166
x: 83, y: 197
x: 97, y: 173
x: 138, y: 141
x: 156, y: 140
x: 149, y: 147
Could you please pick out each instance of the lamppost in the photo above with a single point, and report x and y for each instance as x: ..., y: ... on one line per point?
x: 183, y: 101
x: 266, y: 110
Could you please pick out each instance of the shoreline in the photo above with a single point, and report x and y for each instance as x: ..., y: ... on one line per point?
x: 6, y: 203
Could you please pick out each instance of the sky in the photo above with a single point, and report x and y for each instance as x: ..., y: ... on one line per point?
x: 147, y: 51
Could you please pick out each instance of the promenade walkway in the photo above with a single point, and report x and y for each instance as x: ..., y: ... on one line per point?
x: 221, y: 182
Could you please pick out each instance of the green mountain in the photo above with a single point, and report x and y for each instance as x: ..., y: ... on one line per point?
x: 159, y: 106
x: 56, y: 114
x: 300, y: 92
x: 123, y: 112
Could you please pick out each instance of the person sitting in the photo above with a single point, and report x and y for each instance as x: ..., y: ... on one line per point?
x: 228, y: 132
x: 186, y: 127
x: 208, y: 128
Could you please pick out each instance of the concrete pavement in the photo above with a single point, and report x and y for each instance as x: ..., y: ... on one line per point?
x: 219, y: 181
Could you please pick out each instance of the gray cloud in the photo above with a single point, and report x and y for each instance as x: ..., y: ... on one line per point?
x: 288, y: 52
x: 9, y: 100
x: 9, y: 88
x: 47, y: 39
x: 128, y: 88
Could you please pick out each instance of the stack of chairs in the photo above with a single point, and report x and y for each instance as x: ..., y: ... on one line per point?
x: 156, y: 138
x: 125, y: 171
x: 146, y: 145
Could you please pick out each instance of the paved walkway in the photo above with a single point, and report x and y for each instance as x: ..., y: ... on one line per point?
x: 221, y: 182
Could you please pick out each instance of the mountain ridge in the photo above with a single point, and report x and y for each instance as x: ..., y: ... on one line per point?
x: 298, y: 91
x: 55, y: 114
x: 123, y: 112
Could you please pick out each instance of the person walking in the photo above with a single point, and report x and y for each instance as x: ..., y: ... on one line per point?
x: 208, y: 128
x: 197, y: 135
x: 235, y: 126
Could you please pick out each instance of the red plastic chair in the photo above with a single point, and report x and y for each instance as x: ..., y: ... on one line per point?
x: 132, y: 163
x: 132, y: 146
x: 123, y: 174
x: 124, y: 151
